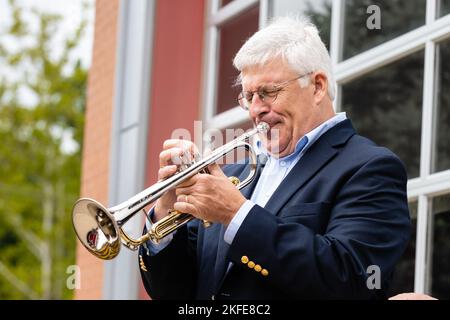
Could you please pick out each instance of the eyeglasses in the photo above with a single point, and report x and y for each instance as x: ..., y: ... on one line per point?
x: 268, y: 95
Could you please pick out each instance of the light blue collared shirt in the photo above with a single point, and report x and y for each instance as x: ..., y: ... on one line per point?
x: 274, y: 173
x: 271, y: 177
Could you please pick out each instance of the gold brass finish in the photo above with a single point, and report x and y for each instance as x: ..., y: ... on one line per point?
x: 142, y: 264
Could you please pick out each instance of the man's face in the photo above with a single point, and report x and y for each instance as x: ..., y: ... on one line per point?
x: 291, y: 114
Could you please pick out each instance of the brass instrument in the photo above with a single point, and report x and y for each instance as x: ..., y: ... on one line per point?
x: 100, y: 229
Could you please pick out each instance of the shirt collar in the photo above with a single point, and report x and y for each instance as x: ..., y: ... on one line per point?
x: 299, y: 146
x: 307, y: 140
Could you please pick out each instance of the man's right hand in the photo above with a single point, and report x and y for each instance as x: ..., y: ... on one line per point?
x: 175, y: 153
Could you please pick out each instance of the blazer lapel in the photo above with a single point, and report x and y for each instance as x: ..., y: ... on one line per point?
x: 321, y: 152
x: 221, y: 263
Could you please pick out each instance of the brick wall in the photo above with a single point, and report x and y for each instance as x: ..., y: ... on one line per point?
x: 96, y: 148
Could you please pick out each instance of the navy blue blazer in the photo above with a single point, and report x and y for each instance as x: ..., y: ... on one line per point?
x: 341, y: 209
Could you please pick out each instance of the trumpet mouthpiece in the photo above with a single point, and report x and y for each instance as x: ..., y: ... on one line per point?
x: 262, y: 127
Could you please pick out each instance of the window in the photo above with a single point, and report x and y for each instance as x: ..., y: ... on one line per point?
x: 223, y: 3
x: 440, y: 281
x: 444, y: 7
x: 230, y: 23
x: 396, y: 16
x: 386, y: 106
x: 231, y: 37
x: 319, y: 11
x: 395, y: 90
x: 442, y: 117
x: 403, y: 278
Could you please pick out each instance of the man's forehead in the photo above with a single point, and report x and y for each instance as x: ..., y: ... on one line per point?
x: 272, y: 71
x: 264, y: 76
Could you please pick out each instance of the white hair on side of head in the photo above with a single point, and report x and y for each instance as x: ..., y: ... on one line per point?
x: 294, y: 39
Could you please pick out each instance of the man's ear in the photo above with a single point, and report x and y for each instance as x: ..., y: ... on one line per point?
x: 320, y: 86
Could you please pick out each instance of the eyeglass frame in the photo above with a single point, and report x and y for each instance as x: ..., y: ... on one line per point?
x: 262, y: 94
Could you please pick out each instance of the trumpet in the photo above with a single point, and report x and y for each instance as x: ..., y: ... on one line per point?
x: 99, y: 228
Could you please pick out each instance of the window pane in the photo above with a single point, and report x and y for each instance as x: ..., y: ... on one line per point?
x: 393, y: 18
x: 386, y: 107
x: 440, y: 282
x: 444, y: 7
x: 232, y: 36
x: 225, y: 2
x: 442, y: 127
x: 318, y: 10
x: 403, y: 280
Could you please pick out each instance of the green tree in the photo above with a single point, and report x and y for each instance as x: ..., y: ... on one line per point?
x: 39, y: 173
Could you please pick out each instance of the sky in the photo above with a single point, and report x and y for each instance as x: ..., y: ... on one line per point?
x: 71, y: 12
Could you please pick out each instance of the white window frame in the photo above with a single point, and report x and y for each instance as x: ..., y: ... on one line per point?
x: 216, y: 16
x: 428, y: 185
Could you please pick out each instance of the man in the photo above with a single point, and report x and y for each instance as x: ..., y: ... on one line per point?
x: 327, y: 211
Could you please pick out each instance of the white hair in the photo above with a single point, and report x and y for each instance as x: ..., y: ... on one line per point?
x: 296, y: 41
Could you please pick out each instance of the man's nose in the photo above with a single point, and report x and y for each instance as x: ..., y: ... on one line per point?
x: 258, y: 106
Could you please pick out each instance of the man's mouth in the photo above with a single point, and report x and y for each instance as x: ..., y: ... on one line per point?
x: 273, y: 132
x: 273, y: 127
x: 271, y: 124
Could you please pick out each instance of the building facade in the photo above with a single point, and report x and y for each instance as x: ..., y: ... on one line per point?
x: 162, y: 65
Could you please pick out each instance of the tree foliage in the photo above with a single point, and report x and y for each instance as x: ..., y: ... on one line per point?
x: 42, y: 102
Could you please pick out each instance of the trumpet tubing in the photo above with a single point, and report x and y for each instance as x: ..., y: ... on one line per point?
x: 100, y: 229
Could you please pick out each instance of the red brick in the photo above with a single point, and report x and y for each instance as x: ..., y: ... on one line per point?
x: 95, y: 164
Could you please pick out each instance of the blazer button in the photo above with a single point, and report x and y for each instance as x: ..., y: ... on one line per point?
x: 213, y: 297
x: 244, y: 259
x: 257, y: 268
x: 251, y: 265
x: 264, y: 272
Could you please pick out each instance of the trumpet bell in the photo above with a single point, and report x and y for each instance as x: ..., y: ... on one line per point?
x: 96, y: 228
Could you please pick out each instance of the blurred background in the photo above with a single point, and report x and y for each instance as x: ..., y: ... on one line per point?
x: 45, y: 54
x: 89, y: 90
